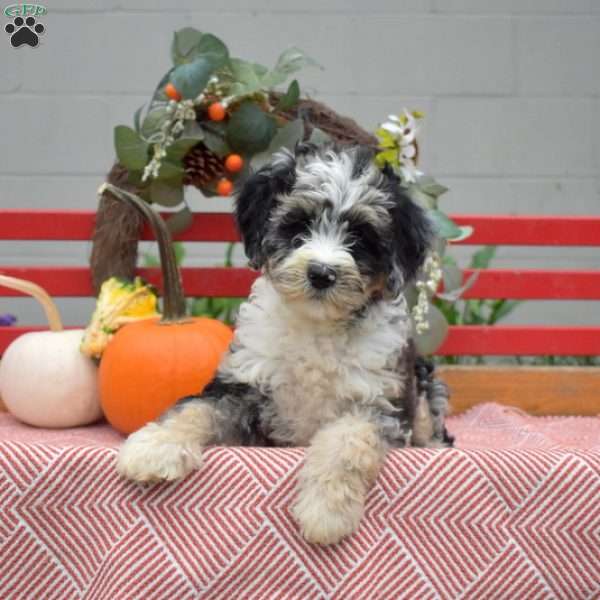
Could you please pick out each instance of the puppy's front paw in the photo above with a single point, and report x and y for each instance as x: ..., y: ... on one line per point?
x: 155, y: 454
x: 326, y: 518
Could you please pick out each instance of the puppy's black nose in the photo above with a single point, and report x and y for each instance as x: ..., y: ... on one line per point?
x: 321, y: 276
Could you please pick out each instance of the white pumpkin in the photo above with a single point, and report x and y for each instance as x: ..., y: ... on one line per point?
x: 45, y: 380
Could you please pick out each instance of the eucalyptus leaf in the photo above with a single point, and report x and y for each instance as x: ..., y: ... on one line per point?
x: 189, y: 43
x: 183, y: 44
x: 165, y: 193
x: 171, y: 173
x: 213, y: 48
x: 248, y: 77
x: 153, y: 122
x: 421, y: 198
x: 135, y: 177
x: 192, y: 129
x: 429, y: 341
x: 444, y: 226
x: 131, y: 149
x: 290, y: 60
x: 250, y: 129
x: 181, y: 220
x: 214, y: 139
x: 466, y: 231
x: 179, y: 250
x: 137, y: 118
x: 286, y: 137
x: 191, y: 78
x: 502, y: 309
x: 453, y: 294
x: 431, y: 187
x: 179, y: 148
x: 290, y: 98
x: 159, y: 92
x: 482, y: 258
x: 452, y: 276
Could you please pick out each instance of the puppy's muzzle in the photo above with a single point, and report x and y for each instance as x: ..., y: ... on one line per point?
x: 321, y: 276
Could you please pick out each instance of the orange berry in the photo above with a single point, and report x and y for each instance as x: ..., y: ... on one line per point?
x: 224, y: 187
x: 172, y: 93
x: 216, y: 111
x: 234, y: 163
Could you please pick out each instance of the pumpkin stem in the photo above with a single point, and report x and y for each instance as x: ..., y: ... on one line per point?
x: 32, y: 289
x: 174, y: 302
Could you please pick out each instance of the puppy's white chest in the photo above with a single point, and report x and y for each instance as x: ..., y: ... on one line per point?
x: 315, y: 371
x: 323, y: 377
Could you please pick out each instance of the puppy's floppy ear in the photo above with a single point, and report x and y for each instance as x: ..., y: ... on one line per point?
x: 257, y: 199
x: 412, y: 233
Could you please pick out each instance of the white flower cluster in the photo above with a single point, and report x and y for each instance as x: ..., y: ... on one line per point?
x: 432, y: 271
x: 405, y: 128
x: 177, y: 114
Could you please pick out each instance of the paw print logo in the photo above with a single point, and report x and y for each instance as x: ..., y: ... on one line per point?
x: 24, y: 31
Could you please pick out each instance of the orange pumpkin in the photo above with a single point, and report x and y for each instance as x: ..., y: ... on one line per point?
x: 150, y: 364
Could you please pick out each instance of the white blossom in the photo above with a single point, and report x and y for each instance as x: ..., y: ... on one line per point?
x: 174, y: 124
x: 404, y: 128
x: 432, y: 272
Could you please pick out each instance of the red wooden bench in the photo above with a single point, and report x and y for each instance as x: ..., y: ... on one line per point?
x: 517, y: 503
x: 471, y: 384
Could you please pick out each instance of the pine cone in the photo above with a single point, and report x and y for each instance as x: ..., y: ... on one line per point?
x: 202, y: 167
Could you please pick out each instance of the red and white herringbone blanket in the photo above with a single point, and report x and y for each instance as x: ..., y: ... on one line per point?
x: 512, y: 513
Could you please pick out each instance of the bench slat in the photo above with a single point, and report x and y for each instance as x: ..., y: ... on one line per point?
x: 34, y: 225
x: 474, y: 340
x: 219, y: 281
x: 534, y: 230
x: 531, y: 230
x: 75, y: 281
x: 534, y: 284
x: 522, y: 340
x: 537, y: 390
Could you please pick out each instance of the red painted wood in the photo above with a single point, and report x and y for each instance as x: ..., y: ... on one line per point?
x: 531, y: 230
x: 219, y: 281
x: 46, y: 225
x: 507, y: 340
x: 75, y: 281
x: 475, y: 340
x: 79, y: 226
x: 532, y: 284
x: 534, y: 230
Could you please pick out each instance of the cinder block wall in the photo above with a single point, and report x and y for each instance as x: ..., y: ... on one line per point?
x: 510, y: 89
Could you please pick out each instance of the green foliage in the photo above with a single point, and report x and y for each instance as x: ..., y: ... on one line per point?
x: 170, y: 172
x: 188, y: 44
x: 250, y: 129
x: 290, y: 98
x: 179, y: 148
x: 214, y: 138
x: 181, y: 220
x: 286, y: 137
x: 431, y: 339
x: 444, y: 226
x: 191, y: 78
x: 290, y: 61
x: 247, y: 77
x: 153, y: 122
x: 223, y: 309
x: 165, y: 193
x: 472, y: 312
x: 132, y: 150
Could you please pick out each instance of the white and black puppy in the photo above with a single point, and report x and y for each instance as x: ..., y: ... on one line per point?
x: 322, y: 354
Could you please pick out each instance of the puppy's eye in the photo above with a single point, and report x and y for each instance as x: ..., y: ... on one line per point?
x: 297, y: 241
